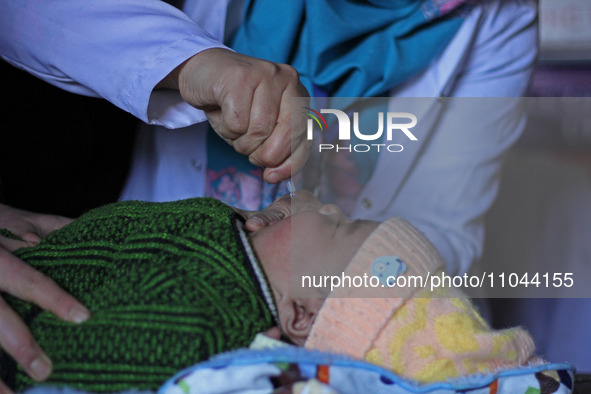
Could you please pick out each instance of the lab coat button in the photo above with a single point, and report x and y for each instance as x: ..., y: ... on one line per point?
x: 196, y: 164
x: 366, y: 203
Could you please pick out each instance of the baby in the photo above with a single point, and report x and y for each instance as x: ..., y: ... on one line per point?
x: 423, y: 335
x: 171, y: 284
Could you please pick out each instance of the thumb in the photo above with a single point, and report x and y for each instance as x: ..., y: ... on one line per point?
x: 46, y: 224
x: 273, y: 213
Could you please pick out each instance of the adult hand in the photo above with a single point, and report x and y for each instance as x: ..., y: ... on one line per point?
x: 248, y: 103
x: 280, y: 209
x: 22, y: 281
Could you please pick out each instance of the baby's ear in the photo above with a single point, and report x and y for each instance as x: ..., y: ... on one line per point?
x: 299, y: 323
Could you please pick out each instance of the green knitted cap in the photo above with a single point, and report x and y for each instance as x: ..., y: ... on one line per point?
x: 168, y: 285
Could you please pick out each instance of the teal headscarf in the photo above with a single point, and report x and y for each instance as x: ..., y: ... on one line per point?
x: 349, y: 48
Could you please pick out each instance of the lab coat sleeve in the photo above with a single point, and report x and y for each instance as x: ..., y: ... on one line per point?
x: 115, y: 49
x: 456, y: 179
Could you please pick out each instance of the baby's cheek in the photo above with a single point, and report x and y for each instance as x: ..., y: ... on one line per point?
x: 271, y: 244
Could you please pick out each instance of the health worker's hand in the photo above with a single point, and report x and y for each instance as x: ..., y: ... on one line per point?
x: 22, y: 281
x: 248, y: 103
x: 279, y: 209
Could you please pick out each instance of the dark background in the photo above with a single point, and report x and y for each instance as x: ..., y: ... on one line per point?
x: 60, y: 152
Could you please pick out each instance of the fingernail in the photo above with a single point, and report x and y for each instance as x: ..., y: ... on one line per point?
x: 255, y: 221
x: 78, y: 314
x: 41, y: 368
x: 274, y: 178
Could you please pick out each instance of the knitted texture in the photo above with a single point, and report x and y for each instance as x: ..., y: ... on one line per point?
x: 419, y: 334
x: 371, y: 307
x: 434, y: 339
x: 167, y: 284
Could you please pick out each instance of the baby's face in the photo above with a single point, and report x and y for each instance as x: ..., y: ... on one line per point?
x: 317, y: 240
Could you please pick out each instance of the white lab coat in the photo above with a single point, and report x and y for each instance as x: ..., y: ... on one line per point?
x: 121, y: 49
